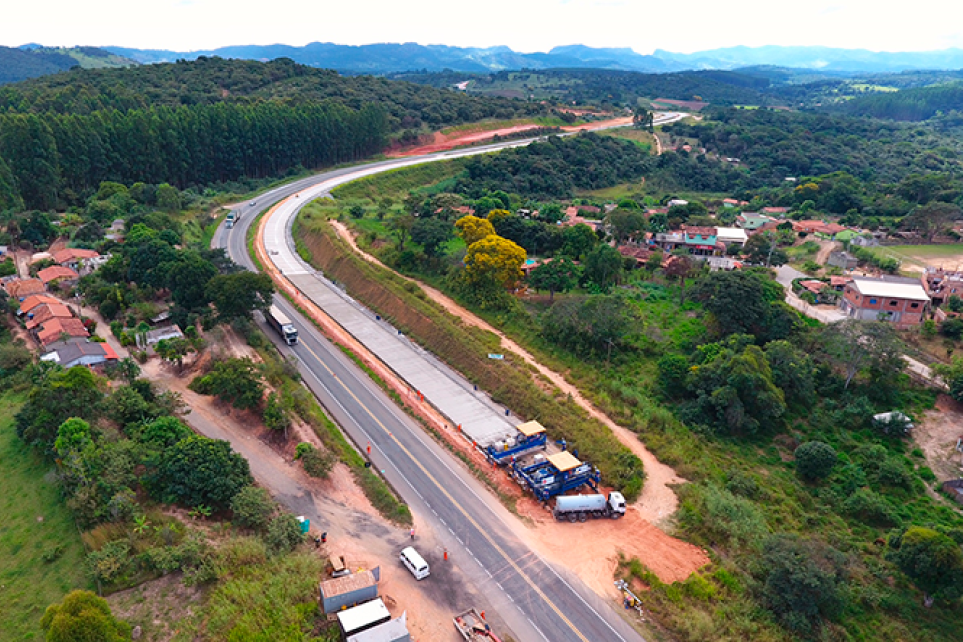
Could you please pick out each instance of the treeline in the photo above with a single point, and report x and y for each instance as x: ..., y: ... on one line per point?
x: 556, y: 168
x: 17, y: 64
x: 207, y: 81
x: 917, y: 104
x: 49, y: 159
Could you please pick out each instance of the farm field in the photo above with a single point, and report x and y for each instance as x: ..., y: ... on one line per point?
x: 916, y: 257
x: 43, y: 557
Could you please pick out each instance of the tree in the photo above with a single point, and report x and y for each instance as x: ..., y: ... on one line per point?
x: 163, y: 432
x: 557, y: 275
x: 642, y: 118
x: 578, y: 240
x: 932, y: 560
x: 763, y: 248
x: 236, y: 296
x: 494, y: 260
x: 284, y: 533
x: 275, y: 414
x: 187, y: 279
x: 792, y: 370
x: 252, y: 508
x: 745, y: 302
x: 952, y: 374
x: 593, y: 325
x: 168, y: 198
x: 603, y: 267
x: 551, y: 213
x: 801, y: 582
x: 473, y: 229
x: 679, y: 267
x: 931, y: 219
x: 198, y: 471
x: 400, y: 225
x: 431, y: 234
x: 626, y: 223
x: 853, y: 345
x: 72, y: 436
x: 237, y: 381
x: 82, y: 616
x: 58, y: 396
x: 174, y: 350
x: 815, y: 460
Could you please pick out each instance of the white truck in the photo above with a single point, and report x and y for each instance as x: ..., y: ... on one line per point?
x: 580, y: 507
x: 282, y: 325
x: 229, y: 221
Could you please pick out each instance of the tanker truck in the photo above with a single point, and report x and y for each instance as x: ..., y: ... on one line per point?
x: 581, y: 507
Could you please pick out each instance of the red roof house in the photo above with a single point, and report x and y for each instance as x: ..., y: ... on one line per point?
x: 56, y: 273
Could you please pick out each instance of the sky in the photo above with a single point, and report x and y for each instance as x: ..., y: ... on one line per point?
x: 682, y: 26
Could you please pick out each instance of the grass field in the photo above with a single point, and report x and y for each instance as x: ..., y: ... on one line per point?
x: 949, y: 256
x: 41, y: 555
x: 485, y: 125
x: 398, y: 182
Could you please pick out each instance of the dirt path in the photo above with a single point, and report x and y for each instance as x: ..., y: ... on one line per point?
x: 336, y: 505
x: 658, y: 500
x: 442, y: 142
x: 825, y: 249
x: 937, y: 435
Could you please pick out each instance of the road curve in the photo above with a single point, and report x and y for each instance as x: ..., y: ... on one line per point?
x: 536, y: 601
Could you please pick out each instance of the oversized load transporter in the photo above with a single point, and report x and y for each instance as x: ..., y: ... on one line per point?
x: 531, y: 436
x: 555, y: 475
x: 578, y: 508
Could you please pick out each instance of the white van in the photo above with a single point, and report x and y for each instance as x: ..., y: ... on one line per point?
x: 415, y: 563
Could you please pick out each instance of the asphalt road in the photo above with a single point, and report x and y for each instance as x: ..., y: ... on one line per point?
x: 536, y: 601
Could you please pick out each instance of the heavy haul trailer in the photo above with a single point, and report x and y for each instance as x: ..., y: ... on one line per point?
x: 531, y: 436
x: 555, y: 475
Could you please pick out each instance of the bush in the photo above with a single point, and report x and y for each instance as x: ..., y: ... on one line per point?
x: 317, y: 463
x: 111, y: 563
x: 252, y: 508
x: 82, y: 616
x: 800, y: 583
x: 815, y: 460
x: 870, y: 508
x: 284, y: 533
x: 198, y: 471
x: 237, y: 381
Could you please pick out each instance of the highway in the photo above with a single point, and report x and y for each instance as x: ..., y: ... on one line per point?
x: 537, y: 601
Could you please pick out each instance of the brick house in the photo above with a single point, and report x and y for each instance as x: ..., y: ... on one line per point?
x: 901, y: 303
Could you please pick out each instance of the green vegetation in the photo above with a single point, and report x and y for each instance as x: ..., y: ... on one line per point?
x: 44, y: 554
x: 83, y: 616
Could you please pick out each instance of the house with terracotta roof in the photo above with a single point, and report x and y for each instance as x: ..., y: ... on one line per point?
x: 35, y: 300
x: 838, y: 283
x: 20, y: 289
x: 75, y: 258
x: 640, y: 253
x: 775, y: 211
x: 57, y: 273
x: 902, y: 303
x: 43, y: 313
x: 52, y: 330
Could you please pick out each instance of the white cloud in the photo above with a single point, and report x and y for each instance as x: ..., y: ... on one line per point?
x: 533, y: 25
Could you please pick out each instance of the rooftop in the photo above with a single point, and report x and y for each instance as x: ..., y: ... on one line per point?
x: 51, y: 330
x: 363, y: 615
x: 72, y: 349
x: 873, y: 287
x: 347, y: 584
x: 56, y: 272
x: 72, y: 254
x: 530, y: 428
x: 564, y: 461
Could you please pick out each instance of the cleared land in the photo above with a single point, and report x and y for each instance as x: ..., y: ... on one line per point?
x: 916, y: 257
x: 42, y: 556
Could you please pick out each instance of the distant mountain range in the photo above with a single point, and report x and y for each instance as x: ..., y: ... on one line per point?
x: 30, y: 61
x: 386, y: 58
x: 33, y: 60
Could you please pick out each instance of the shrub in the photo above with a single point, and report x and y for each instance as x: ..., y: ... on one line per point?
x: 111, y: 563
x: 284, y: 533
x: 815, y: 460
x: 82, y: 616
x: 870, y: 508
x: 200, y: 471
x: 252, y: 508
x: 800, y: 583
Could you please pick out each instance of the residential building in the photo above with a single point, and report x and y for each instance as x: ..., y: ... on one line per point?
x: 640, y: 253
x: 160, y: 334
x: 703, y: 241
x: 731, y: 235
x: 677, y: 201
x: 45, y: 312
x: 57, y: 273
x: 20, y: 289
x: 842, y: 260
x: 817, y: 288
x: 731, y: 202
x: 940, y: 284
x: 33, y: 301
x: 76, y: 258
x: 899, y: 302
x: 865, y: 241
x: 79, y: 352
x: 775, y: 211
x: 52, y: 331
x: 751, y: 220
x: 838, y: 283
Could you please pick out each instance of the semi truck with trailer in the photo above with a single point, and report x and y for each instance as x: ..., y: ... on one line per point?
x: 282, y: 325
x: 581, y: 507
x: 530, y: 436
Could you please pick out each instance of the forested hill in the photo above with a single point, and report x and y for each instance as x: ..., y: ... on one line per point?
x: 16, y: 64
x: 910, y: 104
x: 206, y: 81
x: 203, y: 122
